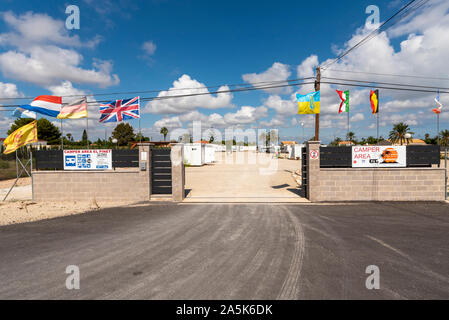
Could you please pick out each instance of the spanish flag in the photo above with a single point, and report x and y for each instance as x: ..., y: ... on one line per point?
x: 309, y: 103
x: 374, y: 98
x: 22, y: 136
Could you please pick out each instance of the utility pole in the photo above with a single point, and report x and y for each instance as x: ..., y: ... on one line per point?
x: 317, y: 116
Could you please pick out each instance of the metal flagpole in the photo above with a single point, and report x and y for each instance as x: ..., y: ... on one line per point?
x: 377, y: 125
x: 87, y: 126
x: 62, y: 136
x: 140, y: 131
x: 19, y: 174
x: 348, y: 122
x: 438, y: 128
x: 87, y: 132
x: 31, y: 172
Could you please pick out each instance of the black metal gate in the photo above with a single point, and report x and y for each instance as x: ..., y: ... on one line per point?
x: 304, y: 160
x: 161, y: 179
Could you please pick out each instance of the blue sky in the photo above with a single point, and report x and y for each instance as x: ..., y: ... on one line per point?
x: 216, y: 43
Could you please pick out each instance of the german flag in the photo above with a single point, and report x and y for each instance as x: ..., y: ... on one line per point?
x: 374, y: 98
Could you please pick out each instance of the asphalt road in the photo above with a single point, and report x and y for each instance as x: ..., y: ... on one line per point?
x: 232, y: 251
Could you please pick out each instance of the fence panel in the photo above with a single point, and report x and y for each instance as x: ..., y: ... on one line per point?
x: 423, y: 156
x: 125, y: 158
x: 48, y: 159
x: 335, y: 157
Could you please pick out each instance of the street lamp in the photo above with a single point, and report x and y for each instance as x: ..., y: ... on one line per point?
x: 303, y: 138
x: 407, y: 136
x: 115, y: 142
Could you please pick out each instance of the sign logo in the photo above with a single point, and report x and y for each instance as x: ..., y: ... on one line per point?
x: 70, y: 161
x: 314, y: 154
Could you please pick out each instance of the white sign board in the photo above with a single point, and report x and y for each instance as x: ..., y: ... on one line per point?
x: 100, y: 159
x: 377, y: 156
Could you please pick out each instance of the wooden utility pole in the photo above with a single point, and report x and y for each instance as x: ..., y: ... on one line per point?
x: 317, y: 116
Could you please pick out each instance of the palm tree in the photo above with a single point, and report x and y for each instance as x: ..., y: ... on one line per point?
x: 350, y: 136
x: 444, y: 138
x: 164, y: 131
x: 398, y: 133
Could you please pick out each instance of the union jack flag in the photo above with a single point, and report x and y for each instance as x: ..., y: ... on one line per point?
x: 119, y: 110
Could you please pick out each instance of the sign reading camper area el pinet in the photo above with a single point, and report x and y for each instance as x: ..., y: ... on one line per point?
x: 100, y: 159
x: 376, y: 156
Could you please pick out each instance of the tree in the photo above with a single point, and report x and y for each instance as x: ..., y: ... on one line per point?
x: 45, y: 129
x: 69, y: 136
x: 84, y: 137
x: 371, y: 140
x: 444, y: 138
x: 335, y: 142
x: 398, y: 133
x: 350, y: 136
x: 164, y: 131
x: 124, y: 133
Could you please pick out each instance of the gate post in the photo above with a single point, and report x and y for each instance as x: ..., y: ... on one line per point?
x: 178, y: 172
x: 313, y: 170
x: 145, y: 166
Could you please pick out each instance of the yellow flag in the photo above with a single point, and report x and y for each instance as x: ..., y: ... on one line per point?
x: 22, y: 136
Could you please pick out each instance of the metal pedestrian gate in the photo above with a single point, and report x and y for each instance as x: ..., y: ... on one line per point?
x: 304, y: 160
x: 161, y: 175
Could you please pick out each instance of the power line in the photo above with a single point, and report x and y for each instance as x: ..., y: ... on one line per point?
x: 388, y: 83
x: 254, y: 88
x: 169, y: 90
x: 404, y: 11
x: 381, y: 87
x: 389, y: 74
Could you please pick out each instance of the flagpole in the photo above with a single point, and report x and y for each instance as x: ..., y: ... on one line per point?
x: 140, y: 132
x: 438, y: 128
x: 377, y: 125
x: 87, y: 124
x: 87, y: 132
x: 62, y: 136
x: 348, y: 123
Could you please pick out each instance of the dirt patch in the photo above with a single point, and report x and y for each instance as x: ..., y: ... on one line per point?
x: 8, y: 183
x: 12, y: 212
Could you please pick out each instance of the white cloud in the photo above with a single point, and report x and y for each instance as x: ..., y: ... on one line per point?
x: 246, y: 115
x: 277, y: 72
x: 38, y: 55
x: 185, y: 86
x: 357, y: 117
x: 9, y: 90
x: 149, y: 47
x: 423, y: 51
x: 282, y: 107
x: 31, y: 29
x: 307, y: 67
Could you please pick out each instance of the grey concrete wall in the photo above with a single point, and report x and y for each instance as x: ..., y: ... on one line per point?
x: 130, y: 184
x: 373, y: 184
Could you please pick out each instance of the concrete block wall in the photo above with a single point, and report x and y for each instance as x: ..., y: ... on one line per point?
x: 89, y: 185
x: 130, y: 184
x: 381, y: 184
x: 373, y: 184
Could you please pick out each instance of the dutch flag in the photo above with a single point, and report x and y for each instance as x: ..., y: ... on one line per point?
x: 46, y: 105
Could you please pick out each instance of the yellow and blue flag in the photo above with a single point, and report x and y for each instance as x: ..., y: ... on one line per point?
x: 309, y: 103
